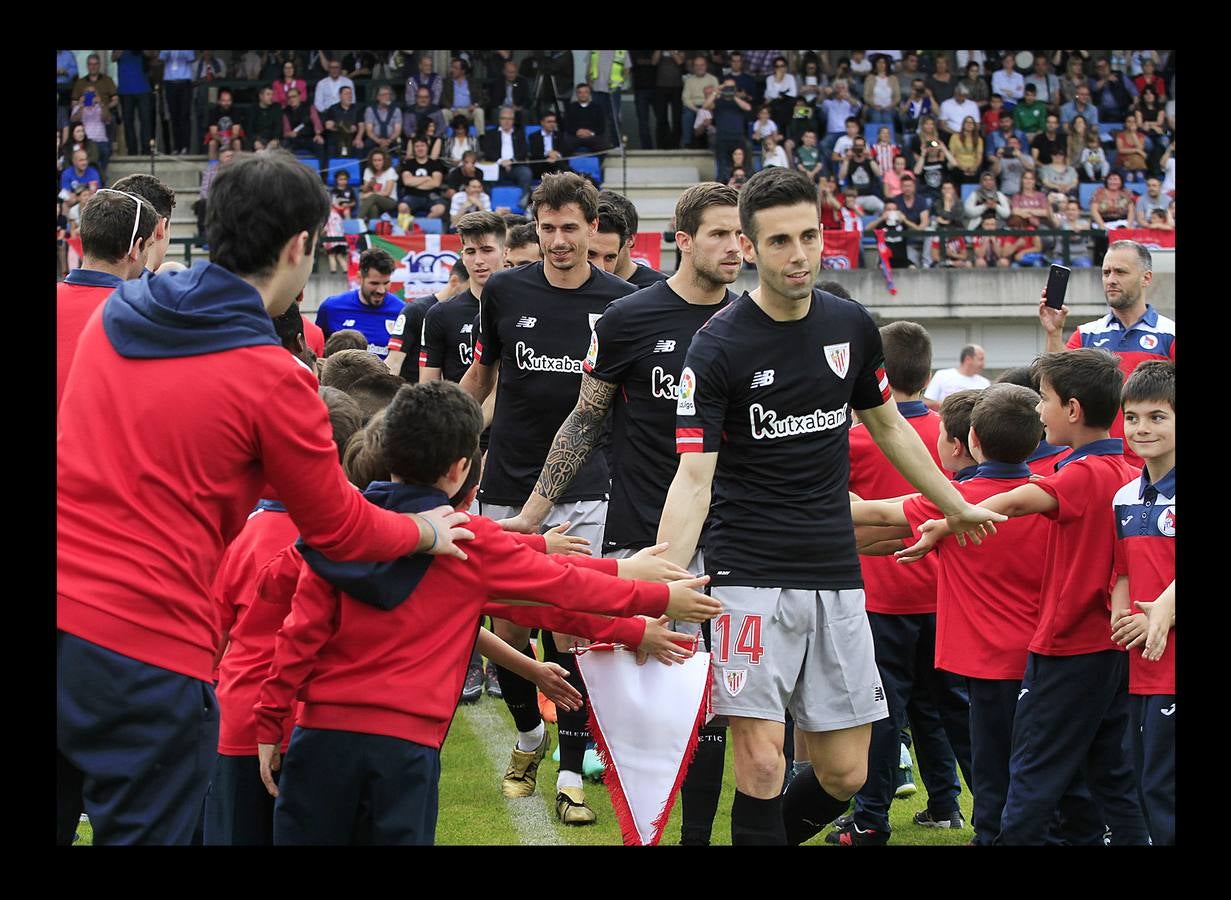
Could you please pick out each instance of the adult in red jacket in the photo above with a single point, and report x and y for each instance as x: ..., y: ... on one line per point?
x: 182, y: 408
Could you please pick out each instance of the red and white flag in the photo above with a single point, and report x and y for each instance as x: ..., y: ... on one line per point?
x: 644, y: 720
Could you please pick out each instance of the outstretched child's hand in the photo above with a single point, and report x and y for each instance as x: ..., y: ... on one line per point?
x: 660, y: 642
x: 688, y: 604
x: 930, y: 533
x: 1128, y: 629
x: 559, y: 542
x: 647, y: 564
x: 1158, y: 626
x: 973, y: 522
x: 552, y: 680
x: 440, y: 531
x: 271, y: 761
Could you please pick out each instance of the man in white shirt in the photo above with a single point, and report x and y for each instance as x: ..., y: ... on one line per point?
x: 954, y: 110
x: 1008, y: 82
x: 329, y: 90
x: 965, y: 376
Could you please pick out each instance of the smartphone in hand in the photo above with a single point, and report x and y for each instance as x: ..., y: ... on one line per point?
x: 1057, y: 285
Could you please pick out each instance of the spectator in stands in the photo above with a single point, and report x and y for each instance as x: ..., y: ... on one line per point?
x: 955, y: 109
x: 329, y: 88
x: 473, y: 199
x: 1075, y: 134
x: 967, y: 150
x: 772, y: 153
x: 1131, y: 150
x: 1030, y: 204
x: 812, y: 82
x: 860, y: 170
x: 986, y: 200
x: 1030, y: 115
x: 1046, y: 84
x: 942, y: 83
x: 739, y: 176
x: 1045, y: 144
x: 282, y: 87
x: 1074, y: 79
x: 932, y: 157
x: 1080, y: 106
x: 1093, y: 162
x: 81, y: 174
x: 976, y: 87
x: 982, y: 252
x: 1080, y: 256
x: 643, y: 93
x: 763, y: 126
x: 917, y: 104
x: 1006, y: 247
x: 1009, y: 164
x: 1112, y: 205
x: 780, y: 92
x: 1149, y: 78
x: 808, y: 157
x: 908, y: 70
x: 1008, y: 82
x: 830, y: 204
x: 991, y: 116
x: 511, y: 91
x: 177, y: 85
x: 507, y: 146
x: 882, y: 92
x: 136, y: 97
x: 359, y: 63
x: 457, y: 142
x: 585, y: 124
x: 1153, y: 199
x: 693, y: 96
x: 739, y: 159
x: 382, y: 121
x: 1029, y: 252
x: 1060, y: 181
x: 1111, y: 92
x: 75, y: 205
x: 891, y: 180
x: 803, y: 118
x: 463, y: 96
x: 1152, y: 120
x: 265, y: 121
x: 378, y: 192
x: 855, y: 70
x: 66, y: 75
x: 225, y: 127
x: 207, y: 180
x: 424, y: 77
x: 885, y: 150
x: 1167, y: 164
x: 94, y: 97
x: 79, y: 140
x: 894, y: 225
x: 302, y: 130
x: 999, y: 139
x: 1162, y: 219
x: 843, y: 145
x: 421, y: 178
x: 668, y: 93
x: 545, y: 144
x: 344, y: 129
x: 837, y: 109
x: 947, y: 210
x: 731, y: 113
x: 917, y: 210
x: 416, y: 116
x: 342, y: 202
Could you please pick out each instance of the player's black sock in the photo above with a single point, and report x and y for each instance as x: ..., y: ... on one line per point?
x: 520, y: 695
x: 807, y: 808
x: 756, y: 821
x: 702, y: 787
x: 573, y: 727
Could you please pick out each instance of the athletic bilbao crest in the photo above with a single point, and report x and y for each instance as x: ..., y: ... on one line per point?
x: 839, y: 358
x: 1166, y: 521
x: 734, y: 680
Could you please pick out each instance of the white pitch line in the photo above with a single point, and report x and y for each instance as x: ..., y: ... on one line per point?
x: 531, y: 818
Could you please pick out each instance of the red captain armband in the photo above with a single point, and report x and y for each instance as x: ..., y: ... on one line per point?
x: 689, y: 440
x: 882, y: 382
x: 478, y: 349
x: 395, y: 345
x: 422, y: 358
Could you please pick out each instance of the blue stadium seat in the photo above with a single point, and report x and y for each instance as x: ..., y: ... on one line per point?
x: 429, y: 226
x: 967, y: 190
x: 531, y: 129
x: 311, y: 162
x: 871, y: 128
x: 507, y: 196
x: 353, y: 226
x: 347, y: 164
x: 1085, y: 192
x: 588, y: 165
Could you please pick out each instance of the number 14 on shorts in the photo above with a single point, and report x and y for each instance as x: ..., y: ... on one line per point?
x: 747, y: 639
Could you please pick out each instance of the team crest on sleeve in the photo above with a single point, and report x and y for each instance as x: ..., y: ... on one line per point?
x: 1166, y: 521
x: 397, y: 327
x: 1148, y: 342
x: 839, y: 358
x: 592, y: 356
x: 734, y: 680
x: 687, y: 405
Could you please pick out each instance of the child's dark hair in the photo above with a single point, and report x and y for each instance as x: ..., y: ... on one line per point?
x: 344, y: 368
x: 1007, y: 423
x: 429, y: 427
x: 374, y: 392
x: 344, y: 416
x: 908, y: 356
x: 1090, y: 376
x: 472, y: 478
x: 1152, y: 380
x: 1022, y: 375
x: 772, y: 187
x: 346, y: 339
x: 955, y: 414
x: 364, y: 458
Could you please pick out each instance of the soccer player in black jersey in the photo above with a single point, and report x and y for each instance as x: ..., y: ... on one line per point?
x: 521, y: 246
x: 634, y: 273
x: 535, y: 326
x: 408, y: 329
x: 761, y: 428
x: 636, y: 353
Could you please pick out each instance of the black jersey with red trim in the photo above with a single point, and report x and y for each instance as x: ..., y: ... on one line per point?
x: 639, y: 344
x: 407, y: 331
x: 539, y: 334
x: 773, y: 399
x: 644, y: 276
x: 447, y: 342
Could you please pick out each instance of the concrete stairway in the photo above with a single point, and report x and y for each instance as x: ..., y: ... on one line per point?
x: 183, y: 175
x: 656, y: 178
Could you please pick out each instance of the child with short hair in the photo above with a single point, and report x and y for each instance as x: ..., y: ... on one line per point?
x: 1042, y: 461
x: 1145, y: 578
x: 379, y: 686
x: 1073, y: 707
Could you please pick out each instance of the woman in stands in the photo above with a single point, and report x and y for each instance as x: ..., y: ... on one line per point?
x: 378, y: 193
x: 881, y: 91
x: 1131, y: 149
x: 288, y: 80
x: 1077, y: 132
x: 1112, y: 206
x: 967, y: 149
x: 458, y: 142
x: 78, y: 140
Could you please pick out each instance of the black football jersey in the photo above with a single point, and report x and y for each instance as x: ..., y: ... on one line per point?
x: 407, y: 331
x: 644, y: 276
x: 448, y: 336
x: 773, y: 399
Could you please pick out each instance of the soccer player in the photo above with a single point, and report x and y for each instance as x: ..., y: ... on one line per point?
x: 762, y: 418
x: 642, y: 276
x: 1132, y: 329
x: 117, y: 229
x: 535, y: 325
x: 160, y: 196
x: 522, y: 246
x: 636, y: 353
x: 408, y: 329
x: 1073, y: 706
x: 170, y: 431
x: 604, y: 250
x: 1045, y: 456
x: 1145, y: 575
x: 369, y: 308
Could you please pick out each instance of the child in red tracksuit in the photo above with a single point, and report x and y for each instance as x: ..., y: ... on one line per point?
x: 378, y: 653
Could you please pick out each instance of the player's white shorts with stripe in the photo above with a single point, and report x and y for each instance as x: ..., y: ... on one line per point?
x: 810, y: 652
x: 589, y: 517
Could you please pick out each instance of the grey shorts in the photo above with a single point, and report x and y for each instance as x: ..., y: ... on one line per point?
x: 696, y: 565
x: 810, y: 652
x: 589, y: 517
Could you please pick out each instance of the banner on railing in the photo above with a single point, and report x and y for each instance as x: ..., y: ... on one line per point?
x: 841, y: 250
x: 424, y: 261
x: 1150, y: 238
x: 648, y: 249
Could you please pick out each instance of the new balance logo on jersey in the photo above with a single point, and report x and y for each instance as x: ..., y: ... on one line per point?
x: 664, y: 346
x: 527, y: 360
x: 465, y: 353
x: 526, y: 322
x: 347, y: 323
x: 763, y: 378
x: 663, y: 385
x: 766, y: 425
x: 468, y: 328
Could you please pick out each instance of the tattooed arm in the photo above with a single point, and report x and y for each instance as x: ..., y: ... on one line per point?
x: 572, y: 446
